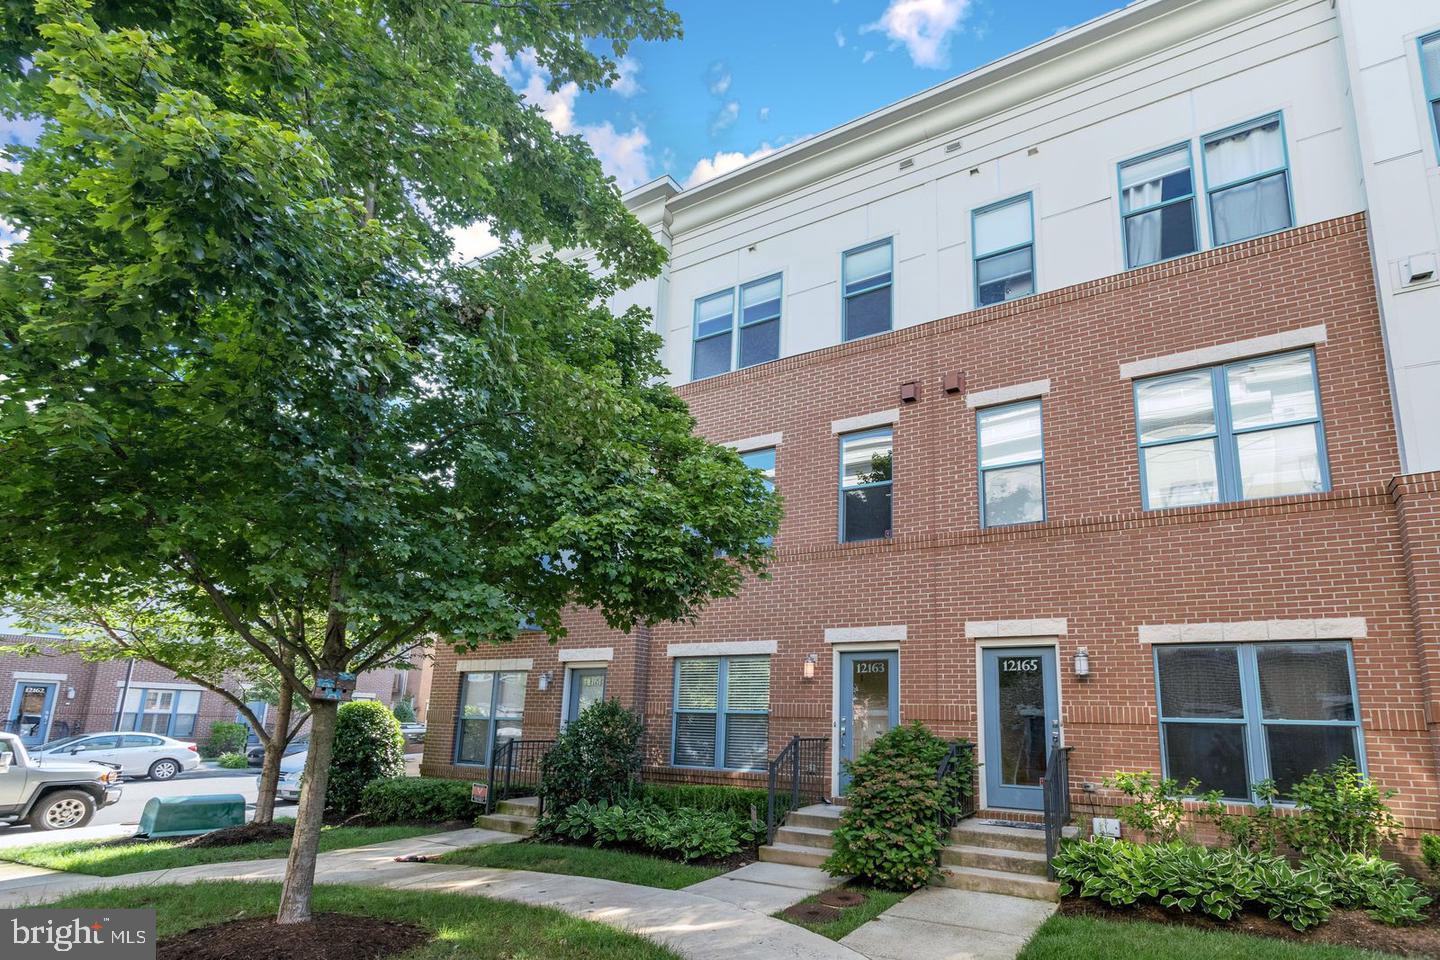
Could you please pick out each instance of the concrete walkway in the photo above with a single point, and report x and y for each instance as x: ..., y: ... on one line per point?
x: 723, y: 918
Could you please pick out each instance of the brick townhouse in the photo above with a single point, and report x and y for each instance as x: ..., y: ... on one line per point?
x: 1100, y: 384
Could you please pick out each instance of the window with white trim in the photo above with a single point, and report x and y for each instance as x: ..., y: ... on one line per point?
x: 866, y: 472
x: 169, y: 713
x: 1004, y: 251
x: 1430, y: 72
x: 722, y: 712
x: 1012, y: 464
x: 1157, y: 207
x: 764, y: 461
x: 492, y: 710
x: 728, y: 340
x: 1232, y: 715
x: 1247, y: 179
x: 869, y: 281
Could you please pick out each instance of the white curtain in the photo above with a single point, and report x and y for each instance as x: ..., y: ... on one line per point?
x: 1244, y: 154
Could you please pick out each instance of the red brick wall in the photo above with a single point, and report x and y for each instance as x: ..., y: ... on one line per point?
x: 1099, y: 561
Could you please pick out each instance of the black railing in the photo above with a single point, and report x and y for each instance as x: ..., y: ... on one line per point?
x: 797, y: 777
x: 1056, y: 789
x: 515, y: 763
x: 959, y: 767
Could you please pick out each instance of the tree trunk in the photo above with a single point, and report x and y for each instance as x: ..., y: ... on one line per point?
x: 300, y: 869
x: 274, y: 753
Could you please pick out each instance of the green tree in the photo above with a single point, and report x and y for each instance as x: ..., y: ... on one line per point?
x: 238, y: 369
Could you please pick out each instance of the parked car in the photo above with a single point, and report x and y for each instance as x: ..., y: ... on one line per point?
x: 51, y: 793
x: 292, y: 768
x: 255, y: 753
x: 134, y: 754
x: 414, y: 733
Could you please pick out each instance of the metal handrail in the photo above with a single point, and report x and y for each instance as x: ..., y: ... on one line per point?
x: 802, y: 761
x: 963, y: 804
x: 1055, y: 787
x: 515, y: 763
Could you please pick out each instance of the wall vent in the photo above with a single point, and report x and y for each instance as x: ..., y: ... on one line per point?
x: 952, y: 146
x: 907, y: 163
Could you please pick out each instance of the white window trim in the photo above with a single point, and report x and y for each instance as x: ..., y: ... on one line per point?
x: 587, y: 654
x: 46, y: 677
x: 999, y: 395
x: 1224, y: 353
x: 886, y: 634
x: 1256, y: 631
x: 865, y: 421
x: 484, y: 666
x: 762, y: 442
x: 155, y: 685
x: 992, y: 629
x: 733, y: 648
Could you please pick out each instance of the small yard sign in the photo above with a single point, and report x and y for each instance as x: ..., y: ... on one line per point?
x: 479, y: 792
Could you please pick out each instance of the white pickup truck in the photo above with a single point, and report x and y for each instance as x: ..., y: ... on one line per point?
x: 52, y: 794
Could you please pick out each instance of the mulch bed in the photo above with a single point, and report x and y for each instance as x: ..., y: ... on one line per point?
x: 733, y: 862
x: 330, y: 936
x: 235, y: 836
x: 1347, y: 928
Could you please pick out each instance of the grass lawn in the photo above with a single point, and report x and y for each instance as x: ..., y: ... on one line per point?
x: 106, y: 858
x: 1086, y: 938
x: 850, y: 917
x: 584, y: 862
x: 464, y: 926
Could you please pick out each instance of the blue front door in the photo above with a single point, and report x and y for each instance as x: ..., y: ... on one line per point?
x: 30, y: 707
x: 869, y: 702
x: 587, y: 687
x: 1021, y: 718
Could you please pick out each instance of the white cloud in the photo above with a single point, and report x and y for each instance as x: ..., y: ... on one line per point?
x: 869, y: 55
x: 764, y: 114
x: 923, y: 26
x: 717, y: 78
x: 839, y: 37
x: 627, y: 86
x: 723, y: 162
x: 725, y: 117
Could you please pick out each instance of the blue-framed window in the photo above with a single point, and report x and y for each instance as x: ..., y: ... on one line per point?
x: 726, y: 340
x: 1012, y: 464
x: 764, y: 461
x: 170, y: 713
x: 869, y: 281
x: 1241, y: 431
x: 1430, y: 72
x: 1232, y: 715
x: 722, y: 712
x: 1247, y: 180
x: 492, y: 710
x: 1157, y: 206
x: 1004, y: 237
x: 866, y: 474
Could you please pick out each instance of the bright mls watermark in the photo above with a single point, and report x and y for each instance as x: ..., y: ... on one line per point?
x: 78, y: 934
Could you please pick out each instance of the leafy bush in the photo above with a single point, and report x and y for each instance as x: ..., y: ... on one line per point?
x: 737, y: 801
x: 1340, y: 810
x: 1372, y: 884
x: 684, y: 834
x: 889, y: 835
x: 1430, y: 851
x: 234, y: 761
x: 596, y: 757
x: 226, y: 737
x: 422, y: 799
x: 368, y: 746
x: 1186, y: 877
x: 1157, y: 804
x: 404, y: 711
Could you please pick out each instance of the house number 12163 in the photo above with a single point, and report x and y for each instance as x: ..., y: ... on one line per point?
x: 1020, y: 665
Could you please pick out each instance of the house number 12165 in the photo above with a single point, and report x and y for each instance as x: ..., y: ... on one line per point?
x: 1018, y: 665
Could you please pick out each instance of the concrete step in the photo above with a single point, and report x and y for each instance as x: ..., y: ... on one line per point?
x: 820, y: 837
x: 523, y: 826
x: 793, y: 854
x: 520, y: 807
x: 998, y: 881
x: 1022, y: 862
x: 824, y: 816
x: 971, y: 833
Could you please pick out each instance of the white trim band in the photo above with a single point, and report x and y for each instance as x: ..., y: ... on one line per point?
x: 732, y: 648
x: 46, y: 677
x: 989, y: 629
x: 1209, y: 356
x: 479, y: 666
x: 1256, y: 631
x: 865, y: 421
x: 888, y: 634
x: 1020, y: 391
x: 157, y: 685
x: 755, y: 443
x: 589, y: 654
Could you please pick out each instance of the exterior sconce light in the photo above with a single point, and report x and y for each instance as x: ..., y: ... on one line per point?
x: 545, y: 681
x: 808, y: 671
x: 1082, y: 662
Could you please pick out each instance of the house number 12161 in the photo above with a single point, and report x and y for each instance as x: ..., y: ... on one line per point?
x: 1026, y: 665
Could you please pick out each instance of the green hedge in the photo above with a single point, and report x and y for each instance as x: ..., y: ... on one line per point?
x: 420, y: 799
x: 368, y: 747
x: 731, y: 800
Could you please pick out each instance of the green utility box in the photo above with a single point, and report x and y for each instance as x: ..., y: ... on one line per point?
x: 188, y: 816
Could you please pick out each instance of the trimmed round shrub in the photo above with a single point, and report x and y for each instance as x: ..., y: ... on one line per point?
x: 226, y: 737
x: 234, y: 761
x: 596, y: 758
x: 404, y: 711
x: 421, y: 799
x: 368, y: 746
x: 890, y: 835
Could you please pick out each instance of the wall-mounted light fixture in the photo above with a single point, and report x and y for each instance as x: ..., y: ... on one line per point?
x: 808, y: 670
x: 69, y: 693
x: 545, y: 681
x: 1082, y: 662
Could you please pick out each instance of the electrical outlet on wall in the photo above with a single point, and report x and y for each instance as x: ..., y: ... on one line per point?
x: 1105, y: 827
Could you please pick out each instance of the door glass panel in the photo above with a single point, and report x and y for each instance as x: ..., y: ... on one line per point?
x: 870, y: 706
x: 591, y: 689
x: 1021, y: 684
x: 30, y: 712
